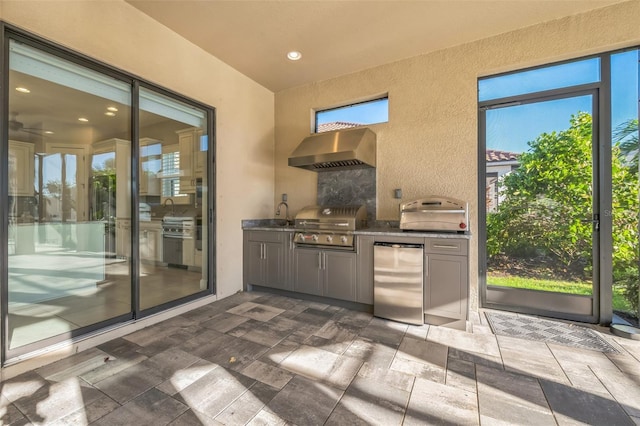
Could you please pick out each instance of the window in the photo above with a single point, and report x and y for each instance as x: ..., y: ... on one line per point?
x: 353, y: 115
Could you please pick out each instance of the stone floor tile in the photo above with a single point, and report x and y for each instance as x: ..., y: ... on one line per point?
x: 267, y: 418
x: 314, y: 317
x: 353, y: 318
x: 476, y: 358
x: 150, y: 408
x: 418, y: 332
x: 305, y: 402
x: 461, y: 374
x: 435, y: 403
x: 266, y: 334
x: 73, y: 365
x: 374, y: 353
x: 231, y: 352
x: 267, y: 374
x: 22, y: 386
x: 367, y: 401
x: 204, y: 338
x: 9, y: 413
x: 56, y: 400
x: 426, y: 352
x: 122, y: 348
x: 395, y: 379
x: 224, y: 322
x: 168, y: 362
x: 328, y: 345
x: 279, y: 352
x: 577, y: 366
x: 419, y: 369
x: 383, y: 331
x: 185, y: 377
x: 111, y: 366
x: 89, y: 413
x: 485, y: 344
x: 129, y: 383
x: 510, y: 398
x: 256, y: 311
x: 625, y: 388
x: 323, y: 366
x: 205, y: 396
x: 533, y: 359
x: 192, y: 418
x: 573, y: 406
x: 248, y: 405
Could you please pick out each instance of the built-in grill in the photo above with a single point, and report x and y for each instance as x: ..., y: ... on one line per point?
x: 330, y: 226
x: 175, y: 230
x: 435, y: 213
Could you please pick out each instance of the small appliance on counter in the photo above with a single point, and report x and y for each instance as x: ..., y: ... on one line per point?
x: 435, y: 213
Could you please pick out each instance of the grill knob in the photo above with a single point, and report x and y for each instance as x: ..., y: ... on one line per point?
x: 343, y: 239
x: 314, y: 237
x: 329, y: 238
x: 299, y: 236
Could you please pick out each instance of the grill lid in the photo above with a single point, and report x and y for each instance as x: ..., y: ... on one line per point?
x: 344, y: 218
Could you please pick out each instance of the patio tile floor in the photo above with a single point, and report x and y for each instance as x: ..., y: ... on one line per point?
x: 261, y: 359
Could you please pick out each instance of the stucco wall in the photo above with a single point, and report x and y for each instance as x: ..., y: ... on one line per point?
x: 430, y: 144
x: 120, y: 35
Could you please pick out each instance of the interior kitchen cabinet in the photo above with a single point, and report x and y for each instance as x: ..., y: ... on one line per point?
x: 264, y: 259
x: 446, y: 281
x: 150, y: 166
x: 330, y: 273
x: 151, y: 242
x: 21, y: 168
x: 364, y: 264
x: 191, y: 158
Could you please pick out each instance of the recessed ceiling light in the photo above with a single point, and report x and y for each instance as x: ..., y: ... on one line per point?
x: 294, y: 55
x: 23, y: 90
x: 84, y: 120
x: 48, y: 132
x: 110, y: 114
x: 112, y: 109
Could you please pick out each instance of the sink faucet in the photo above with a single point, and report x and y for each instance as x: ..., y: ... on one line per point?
x: 286, y: 210
x: 173, y: 206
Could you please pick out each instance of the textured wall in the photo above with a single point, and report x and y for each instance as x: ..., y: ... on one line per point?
x: 430, y: 144
x: 120, y: 35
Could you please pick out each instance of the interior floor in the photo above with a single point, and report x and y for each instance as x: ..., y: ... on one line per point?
x: 256, y: 358
x: 47, y: 299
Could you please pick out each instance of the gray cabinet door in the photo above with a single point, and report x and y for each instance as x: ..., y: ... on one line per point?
x: 253, y: 263
x: 273, y: 263
x: 339, y: 270
x: 307, y: 277
x: 446, y: 286
x: 364, y: 276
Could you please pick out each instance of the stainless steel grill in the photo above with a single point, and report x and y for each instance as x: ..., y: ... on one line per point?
x: 177, y: 227
x: 434, y: 213
x: 330, y: 226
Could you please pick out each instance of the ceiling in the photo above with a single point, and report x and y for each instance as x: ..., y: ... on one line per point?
x: 341, y: 37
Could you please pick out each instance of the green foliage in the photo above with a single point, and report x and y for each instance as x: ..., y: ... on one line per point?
x: 548, y: 201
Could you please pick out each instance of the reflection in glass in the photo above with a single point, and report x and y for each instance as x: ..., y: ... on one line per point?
x: 173, y: 199
x: 68, y: 267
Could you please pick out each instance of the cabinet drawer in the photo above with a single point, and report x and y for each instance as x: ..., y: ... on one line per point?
x: 265, y: 236
x: 446, y: 246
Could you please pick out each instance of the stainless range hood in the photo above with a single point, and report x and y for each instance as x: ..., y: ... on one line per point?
x: 338, y: 150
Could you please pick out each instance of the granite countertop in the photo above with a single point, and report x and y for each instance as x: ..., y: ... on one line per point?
x: 380, y: 228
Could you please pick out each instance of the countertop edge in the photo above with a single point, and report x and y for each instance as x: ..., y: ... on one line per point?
x: 368, y: 231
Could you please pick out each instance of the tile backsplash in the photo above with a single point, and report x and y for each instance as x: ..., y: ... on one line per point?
x: 349, y: 187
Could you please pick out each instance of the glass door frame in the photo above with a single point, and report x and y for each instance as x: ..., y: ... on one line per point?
x: 597, y: 307
x: 7, y: 32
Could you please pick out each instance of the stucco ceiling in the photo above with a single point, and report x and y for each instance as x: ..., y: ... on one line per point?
x: 341, y: 37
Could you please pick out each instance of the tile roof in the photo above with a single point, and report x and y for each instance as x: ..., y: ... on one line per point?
x: 336, y: 125
x: 496, y: 155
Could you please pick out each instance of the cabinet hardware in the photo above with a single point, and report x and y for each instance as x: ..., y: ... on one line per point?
x: 319, y: 260
x: 443, y: 246
x: 426, y: 266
